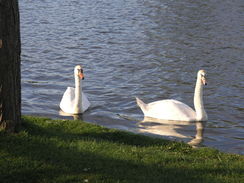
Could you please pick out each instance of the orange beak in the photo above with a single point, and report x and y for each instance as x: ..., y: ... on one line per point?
x: 81, y: 75
x: 204, y: 81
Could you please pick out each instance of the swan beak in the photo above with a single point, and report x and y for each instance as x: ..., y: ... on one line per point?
x: 81, y: 75
x: 204, y: 81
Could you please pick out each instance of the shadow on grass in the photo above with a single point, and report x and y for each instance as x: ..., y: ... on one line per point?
x: 38, y: 157
x: 95, y: 132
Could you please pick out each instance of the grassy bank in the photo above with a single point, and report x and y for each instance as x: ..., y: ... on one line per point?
x: 73, y: 151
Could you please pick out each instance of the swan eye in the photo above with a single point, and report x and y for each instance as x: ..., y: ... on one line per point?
x: 80, y: 70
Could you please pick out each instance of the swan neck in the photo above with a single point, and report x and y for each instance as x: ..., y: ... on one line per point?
x: 198, y: 102
x: 78, y: 95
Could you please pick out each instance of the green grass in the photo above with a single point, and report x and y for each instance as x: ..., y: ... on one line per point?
x: 48, y: 150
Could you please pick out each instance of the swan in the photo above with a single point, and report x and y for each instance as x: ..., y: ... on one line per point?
x: 74, y: 101
x: 170, y: 109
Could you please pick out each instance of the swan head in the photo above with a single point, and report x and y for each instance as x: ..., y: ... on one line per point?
x: 78, y: 71
x: 201, y: 75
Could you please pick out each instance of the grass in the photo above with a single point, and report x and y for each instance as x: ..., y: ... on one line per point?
x: 49, y: 151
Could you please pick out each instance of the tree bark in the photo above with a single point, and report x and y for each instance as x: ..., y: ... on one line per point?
x: 10, y: 86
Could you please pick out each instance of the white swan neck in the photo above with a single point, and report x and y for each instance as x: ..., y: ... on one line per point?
x: 78, y: 95
x: 198, y: 102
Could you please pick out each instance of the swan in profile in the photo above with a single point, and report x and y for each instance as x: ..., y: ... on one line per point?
x: 74, y: 101
x: 175, y: 110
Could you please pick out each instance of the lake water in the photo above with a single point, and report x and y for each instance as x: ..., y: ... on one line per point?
x: 150, y: 49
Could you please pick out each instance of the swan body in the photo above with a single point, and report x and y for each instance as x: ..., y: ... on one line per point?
x: 175, y: 110
x: 68, y: 101
x: 74, y: 101
x: 167, y: 109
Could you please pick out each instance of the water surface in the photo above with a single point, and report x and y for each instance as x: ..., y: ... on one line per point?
x: 150, y: 49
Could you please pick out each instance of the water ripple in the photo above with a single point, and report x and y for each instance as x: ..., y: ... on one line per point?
x: 150, y: 49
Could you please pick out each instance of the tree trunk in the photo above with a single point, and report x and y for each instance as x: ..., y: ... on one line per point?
x: 10, y: 96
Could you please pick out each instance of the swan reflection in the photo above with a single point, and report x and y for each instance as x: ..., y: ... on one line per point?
x: 75, y: 116
x: 173, y: 129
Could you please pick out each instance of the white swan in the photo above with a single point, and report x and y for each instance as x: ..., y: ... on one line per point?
x: 175, y: 110
x: 74, y: 101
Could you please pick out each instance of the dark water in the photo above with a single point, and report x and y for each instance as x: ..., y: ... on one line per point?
x: 151, y: 49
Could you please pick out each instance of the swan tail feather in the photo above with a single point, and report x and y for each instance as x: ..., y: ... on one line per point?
x: 141, y: 104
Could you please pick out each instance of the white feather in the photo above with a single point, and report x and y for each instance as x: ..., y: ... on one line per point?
x: 68, y: 101
x: 175, y: 110
x: 74, y: 101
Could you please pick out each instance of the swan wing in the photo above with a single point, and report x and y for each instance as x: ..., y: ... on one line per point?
x: 170, y: 110
x: 67, y: 102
